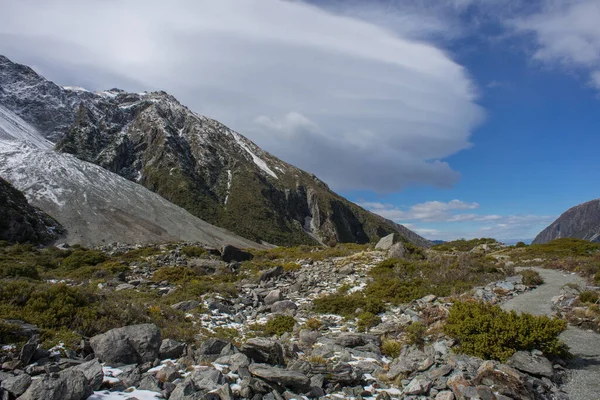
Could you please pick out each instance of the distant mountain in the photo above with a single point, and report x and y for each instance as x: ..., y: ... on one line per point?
x: 195, y: 162
x: 20, y: 222
x: 582, y: 222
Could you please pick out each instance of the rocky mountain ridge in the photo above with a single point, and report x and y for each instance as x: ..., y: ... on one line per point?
x: 581, y: 222
x: 21, y: 222
x: 192, y: 161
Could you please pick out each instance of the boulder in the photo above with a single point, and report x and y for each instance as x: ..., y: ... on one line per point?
x: 356, y: 340
x: 271, y: 273
x: 528, y: 363
x: 273, y: 297
x: 231, y: 253
x: 294, y: 380
x: 210, y: 349
x: 29, y: 349
x: 68, y: 385
x: 170, y: 348
x: 16, y: 385
x: 386, y: 242
x: 134, y: 344
x: 284, y: 306
x: 398, y: 250
x: 92, y: 370
x: 234, y: 361
x: 417, y: 386
x: 186, y: 305
x: 263, y: 350
x: 168, y: 373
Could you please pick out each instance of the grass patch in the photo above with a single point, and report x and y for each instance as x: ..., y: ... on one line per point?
x: 588, y: 297
x: 275, y: 326
x: 488, y: 332
x: 391, y: 348
x: 463, y: 245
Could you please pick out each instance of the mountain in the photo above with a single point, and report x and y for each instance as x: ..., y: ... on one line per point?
x: 582, y: 222
x: 192, y: 161
x: 20, y: 222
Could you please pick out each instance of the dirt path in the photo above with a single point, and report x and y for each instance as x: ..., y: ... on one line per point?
x: 585, y: 345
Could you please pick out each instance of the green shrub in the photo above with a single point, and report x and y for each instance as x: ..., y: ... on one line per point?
x: 391, y: 348
x: 367, y: 320
x: 531, y: 278
x: 83, y: 257
x: 314, y: 324
x: 279, y: 325
x: 347, y: 304
x: 174, y: 274
x: 463, y: 245
x: 520, y: 244
x: 415, y: 333
x: 15, y: 269
x: 7, y: 333
x: 193, y: 251
x: 488, y: 332
x: 588, y: 297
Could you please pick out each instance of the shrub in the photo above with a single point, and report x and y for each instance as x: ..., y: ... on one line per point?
x: 531, y: 278
x: 588, y: 297
x: 7, y: 333
x: 415, y: 333
x: 174, y: 274
x: 347, y: 304
x: 279, y: 325
x: 367, y: 320
x: 15, y: 269
x: 193, y: 251
x: 83, y: 257
x: 488, y: 332
x: 520, y: 244
x: 391, y: 348
x: 314, y: 324
x: 463, y: 245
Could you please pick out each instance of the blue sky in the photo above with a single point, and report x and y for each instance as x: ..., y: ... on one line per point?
x: 457, y: 118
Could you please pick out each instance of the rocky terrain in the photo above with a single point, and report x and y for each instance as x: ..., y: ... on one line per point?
x: 582, y: 222
x: 21, y: 222
x: 265, y: 340
x: 192, y: 161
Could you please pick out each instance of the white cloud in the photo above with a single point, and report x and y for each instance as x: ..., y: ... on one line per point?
x: 361, y: 106
x: 566, y: 33
x: 430, y: 211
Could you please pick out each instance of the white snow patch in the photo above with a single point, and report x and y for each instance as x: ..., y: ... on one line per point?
x: 110, y: 374
x: 107, y: 94
x: 229, y: 176
x: 260, y: 163
x: 75, y: 88
x: 131, y: 393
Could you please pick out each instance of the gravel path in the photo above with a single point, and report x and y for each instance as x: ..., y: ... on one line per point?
x: 585, y: 345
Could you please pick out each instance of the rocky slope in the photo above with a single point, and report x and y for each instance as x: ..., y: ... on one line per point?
x: 582, y: 222
x: 21, y: 222
x: 193, y: 161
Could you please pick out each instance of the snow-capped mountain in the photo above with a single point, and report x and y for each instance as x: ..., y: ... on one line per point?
x: 195, y: 162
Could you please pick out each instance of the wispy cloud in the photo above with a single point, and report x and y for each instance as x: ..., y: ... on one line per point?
x: 430, y: 211
x: 565, y: 34
x: 347, y: 98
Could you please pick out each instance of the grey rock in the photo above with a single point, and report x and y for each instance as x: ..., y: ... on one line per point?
x: 386, y: 242
x: 417, y: 386
x: 185, y: 391
x: 263, y: 350
x: 128, y: 345
x: 221, y: 307
x: 271, y: 273
x: 398, y: 250
x: 273, y: 297
x: 149, y: 383
x: 68, y: 385
x: 186, y: 305
x: 210, y: 349
x: 444, y: 395
x: 168, y: 373
x: 283, y: 306
x: 16, y: 385
x: 308, y: 337
x: 28, y: 349
x: 170, y: 348
x: 291, y: 379
x: 534, y: 365
x: 234, y: 361
x: 124, y: 286
x: 92, y: 370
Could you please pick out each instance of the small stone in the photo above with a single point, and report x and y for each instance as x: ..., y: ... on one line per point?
x: 417, y: 386
x: 444, y: 395
x: 273, y: 297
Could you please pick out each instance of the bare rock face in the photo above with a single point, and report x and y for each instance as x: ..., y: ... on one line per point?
x: 582, y: 222
x: 21, y: 222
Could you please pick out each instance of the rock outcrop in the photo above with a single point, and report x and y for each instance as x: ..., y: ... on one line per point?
x: 581, y: 222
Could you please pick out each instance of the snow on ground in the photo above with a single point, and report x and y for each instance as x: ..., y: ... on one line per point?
x: 260, y: 163
x: 128, y: 394
x: 13, y: 127
x: 229, y: 176
x: 75, y: 88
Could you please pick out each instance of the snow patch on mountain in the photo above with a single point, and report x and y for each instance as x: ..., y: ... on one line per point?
x: 260, y: 163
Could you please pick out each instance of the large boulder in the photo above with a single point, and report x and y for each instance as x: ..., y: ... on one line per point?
x: 263, y: 350
x: 70, y: 384
x: 386, y: 242
x: 231, y: 253
x: 271, y: 273
x: 16, y: 385
x: 92, y: 370
x: 532, y: 364
x: 210, y: 349
x: 170, y: 348
x: 294, y: 380
x: 134, y: 344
